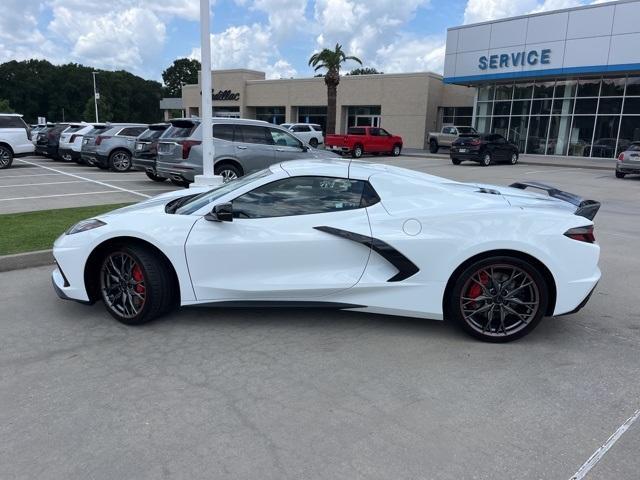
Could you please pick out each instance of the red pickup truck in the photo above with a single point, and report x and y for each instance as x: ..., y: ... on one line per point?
x: 359, y: 140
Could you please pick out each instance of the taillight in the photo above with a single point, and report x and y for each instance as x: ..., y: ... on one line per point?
x: 186, y: 147
x: 100, y: 138
x: 582, y: 234
x: 621, y: 157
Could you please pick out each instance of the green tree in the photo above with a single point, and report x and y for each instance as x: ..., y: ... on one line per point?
x: 5, y: 107
x: 364, y: 71
x: 331, y: 60
x: 183, y: 71
x: 105, y: 114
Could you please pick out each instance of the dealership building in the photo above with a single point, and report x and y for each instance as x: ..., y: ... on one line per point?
x: 565, y: 82
x: 407, y: 104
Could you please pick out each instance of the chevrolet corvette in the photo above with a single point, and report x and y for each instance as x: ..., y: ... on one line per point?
x: 342, y: 234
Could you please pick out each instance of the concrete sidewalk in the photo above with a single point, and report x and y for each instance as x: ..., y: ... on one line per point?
x: 527, y: 159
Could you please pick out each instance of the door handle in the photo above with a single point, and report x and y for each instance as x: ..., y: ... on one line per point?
x: 241, y: 147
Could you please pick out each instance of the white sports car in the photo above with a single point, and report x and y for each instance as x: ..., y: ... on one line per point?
x: 349, y: 235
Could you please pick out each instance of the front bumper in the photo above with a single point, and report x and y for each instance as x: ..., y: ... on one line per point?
x: 64, y: 290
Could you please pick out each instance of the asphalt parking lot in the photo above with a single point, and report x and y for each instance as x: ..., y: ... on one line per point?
x: 306, y: 394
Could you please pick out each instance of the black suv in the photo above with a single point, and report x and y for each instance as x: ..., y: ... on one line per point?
x: 485, y: 148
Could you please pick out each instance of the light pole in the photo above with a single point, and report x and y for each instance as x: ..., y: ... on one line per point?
x: 206, y: 107
x: 96, y: 95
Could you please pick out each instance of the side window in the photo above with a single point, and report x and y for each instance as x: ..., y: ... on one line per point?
x: 303, y: 196
x: 374, y: 132
x: 499, y: 139
x: 223, y: 132
x: 12, y: 122
x: 384, y: 133
x: 300, y: 128
x: 284, y: 139
x: 255, y: 134
x: 131, y: 131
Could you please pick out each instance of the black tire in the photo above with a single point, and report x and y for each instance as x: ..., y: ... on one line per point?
x: 620, y: 174
x: 397, y: 149
x: 314, y: 142
x: 486, y: 160
x: 227, y: 171
x: 514, y: 158
x: 154, y: 177
x: 357, y: 152
x: 120, y: 161
x: 180, y: 183
x: 433, y: 146
x: 6, y: 157
x: 456, y: 161
x: 155, y: 284
x: 513, y: 327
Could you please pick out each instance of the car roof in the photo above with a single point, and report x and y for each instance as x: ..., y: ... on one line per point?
x: 11, y: 114
x: 248, y: 121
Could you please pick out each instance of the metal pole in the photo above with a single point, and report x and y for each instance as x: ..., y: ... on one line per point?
x: 206, y: 108
x: 95, y: 95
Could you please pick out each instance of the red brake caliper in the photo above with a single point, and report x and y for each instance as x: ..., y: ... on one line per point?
x: 475, y: 290
x: 137, y: 276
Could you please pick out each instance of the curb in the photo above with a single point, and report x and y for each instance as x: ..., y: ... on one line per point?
x: 19, y: 261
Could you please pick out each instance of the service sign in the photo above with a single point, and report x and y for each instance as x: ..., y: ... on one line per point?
x: 515, y: 59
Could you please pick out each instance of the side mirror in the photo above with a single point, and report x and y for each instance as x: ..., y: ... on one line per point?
x: 221, y: 213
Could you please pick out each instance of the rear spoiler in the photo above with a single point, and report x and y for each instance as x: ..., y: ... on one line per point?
x: 585, y: 208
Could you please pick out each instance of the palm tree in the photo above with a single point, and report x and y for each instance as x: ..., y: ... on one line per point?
x: 331, y: 60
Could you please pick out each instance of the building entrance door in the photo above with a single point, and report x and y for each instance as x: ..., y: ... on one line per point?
x: 367, y: 121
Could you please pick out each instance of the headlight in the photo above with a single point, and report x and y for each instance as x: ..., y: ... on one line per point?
x: 85, y: 225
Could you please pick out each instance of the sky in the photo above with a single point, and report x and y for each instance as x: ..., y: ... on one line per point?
x: 274, y: 36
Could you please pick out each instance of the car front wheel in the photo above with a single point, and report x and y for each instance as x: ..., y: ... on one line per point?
x: 6, y: 157
x: 498, y: 299
x: 514, y: 158
x: 486, y: 160
x: 433, y: 146
x: 396, y: 150
x: 135, y: 285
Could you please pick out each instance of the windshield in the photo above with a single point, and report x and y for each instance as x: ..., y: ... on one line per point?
x: 199, y: 201
x: 465, y: 130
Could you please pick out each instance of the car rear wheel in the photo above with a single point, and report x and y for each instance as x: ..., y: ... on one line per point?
x: 314, y: 142
x: 135, y: 285
x: 514, y: 158
x: 396, y: 150
x: 120, y: 161
x: 433, y: 146
x: 154, y: 177
x: 456, y: 161
x: 486, y: 160
x: 6, y: 157
x: 620, y: 174
x: 228, y: 172
x: 357, y: 151
x: 498, y: 299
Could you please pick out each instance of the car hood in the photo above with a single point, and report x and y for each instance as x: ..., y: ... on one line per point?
x: 157, y: 203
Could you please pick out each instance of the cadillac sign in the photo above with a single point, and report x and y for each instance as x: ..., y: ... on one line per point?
x: 225, y: 95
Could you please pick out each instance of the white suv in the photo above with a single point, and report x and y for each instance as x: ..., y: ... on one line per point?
x: 15, y: 138
x: 310, y: 133
x: 70, y: 144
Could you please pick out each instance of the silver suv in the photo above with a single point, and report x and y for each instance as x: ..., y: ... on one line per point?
x: 241, y: 146
x: 112, y: 146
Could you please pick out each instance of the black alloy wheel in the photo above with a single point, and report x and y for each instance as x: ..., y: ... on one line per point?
x: 498, y: 299
x: 6, y: 157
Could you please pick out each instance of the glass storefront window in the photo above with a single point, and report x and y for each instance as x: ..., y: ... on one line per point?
x: 566, y: 88
x: 629, y: 130
x: 613, y: 87
x: 504, y: 92
x: 581, y: 133
x: 563, y: 106
x: 537, y: 139
x: 633, y: 86
x: 485, y: 93
x: 500, y: 126
x: 589, y: 87
x: 610, y: 105
x: 541, y: 107
x: 521, y: 107
x: 523, y: 91
x: 501, y: 108
x: 317, y: 115
x: 604, y: 141
x: 275, y: 115
x: 558, y: 135
x: 518, y: 131
x: 543, y: 89
x: 586, y: 106
x: 482, y: 124
x: 631, y: 106
x: 484, y: 108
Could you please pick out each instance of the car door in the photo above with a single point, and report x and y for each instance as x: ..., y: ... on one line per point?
x: 273, y: 248
x: 254, y: 147
x: 287, y: 146
x: 502, y: 149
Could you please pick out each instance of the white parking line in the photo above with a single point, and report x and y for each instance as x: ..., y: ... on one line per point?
x: 44, y: 183
x: 60, y: 195
x: 547, y: 171
x: 87, y: 179
x: 599, y: 453
x: 31, y: 175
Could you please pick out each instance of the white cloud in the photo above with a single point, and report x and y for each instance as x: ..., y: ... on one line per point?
x: 286, y: 17
x: 484, y: 10
x: 411, y: 55
x: 20, y: 38
x: 247, y: 46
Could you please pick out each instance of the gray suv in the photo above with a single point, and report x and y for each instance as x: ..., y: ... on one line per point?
x: 112, y: 146
x: 241, y: 146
